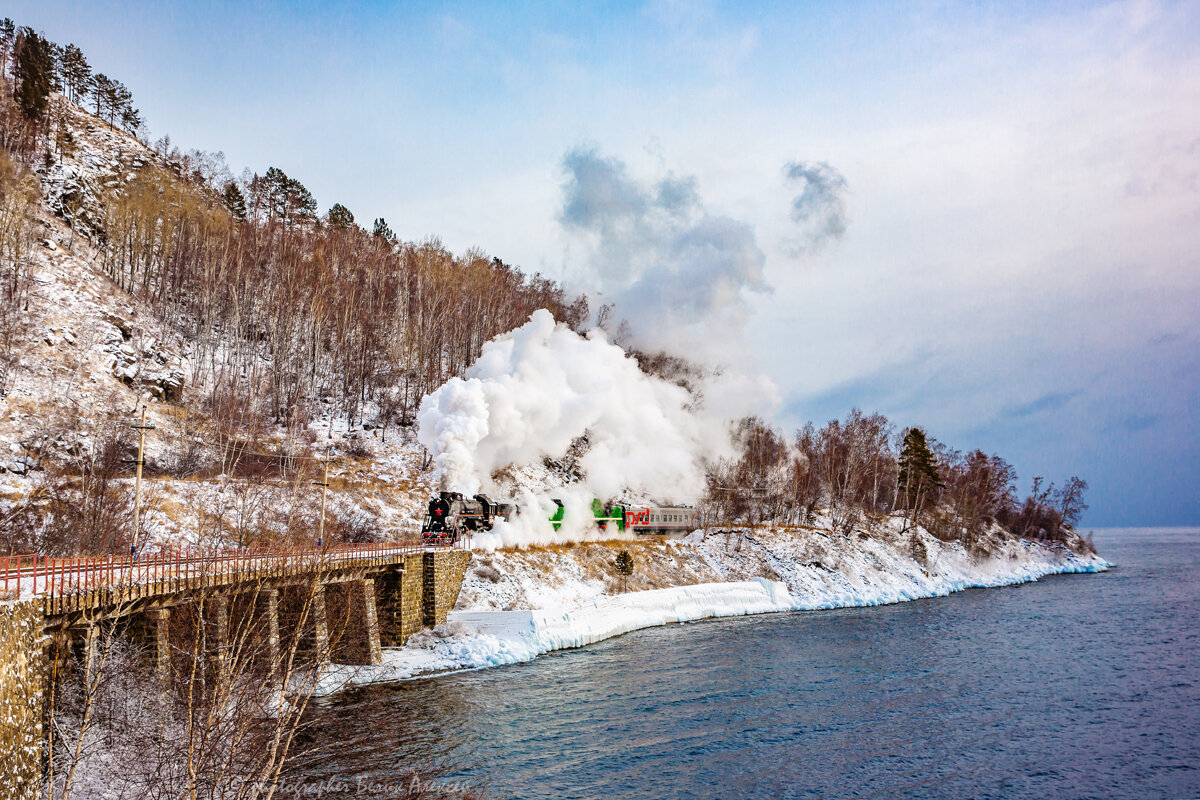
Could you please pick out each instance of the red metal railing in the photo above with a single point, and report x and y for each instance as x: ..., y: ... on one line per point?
x: 44, y: 576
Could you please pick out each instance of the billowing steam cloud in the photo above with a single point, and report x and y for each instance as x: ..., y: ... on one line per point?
x: 677, y: 274
x: 681, y: 278
x: 535, y: 390
x: 820, y: 208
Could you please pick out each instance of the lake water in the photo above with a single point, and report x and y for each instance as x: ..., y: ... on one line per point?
x: 1080, y: 686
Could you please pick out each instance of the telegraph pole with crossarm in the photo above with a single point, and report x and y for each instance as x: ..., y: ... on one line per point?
x: 324, y: 484
x: 141, y: 427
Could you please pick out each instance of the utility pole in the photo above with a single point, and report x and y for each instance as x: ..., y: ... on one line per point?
x: 141, y: 427
x: 324, y: 484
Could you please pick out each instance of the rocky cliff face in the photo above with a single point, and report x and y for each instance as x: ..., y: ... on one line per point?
x: 93, y: 161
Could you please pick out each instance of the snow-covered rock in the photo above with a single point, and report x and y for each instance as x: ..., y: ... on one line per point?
x: 74, y: 192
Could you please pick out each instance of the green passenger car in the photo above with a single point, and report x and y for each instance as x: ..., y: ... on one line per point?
x: 605, y: 514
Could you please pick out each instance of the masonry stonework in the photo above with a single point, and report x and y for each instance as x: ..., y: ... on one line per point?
x: 22, y: 676
x: 443, y: 576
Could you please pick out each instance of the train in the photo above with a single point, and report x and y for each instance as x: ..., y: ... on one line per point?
x: 452, y: 515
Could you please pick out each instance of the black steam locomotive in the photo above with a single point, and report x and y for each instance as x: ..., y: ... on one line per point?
x: 452, y: 515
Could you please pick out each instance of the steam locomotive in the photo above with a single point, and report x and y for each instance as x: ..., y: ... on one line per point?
x: 452, y: 515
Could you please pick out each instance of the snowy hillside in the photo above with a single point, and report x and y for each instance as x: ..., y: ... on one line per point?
x: 88, y: 354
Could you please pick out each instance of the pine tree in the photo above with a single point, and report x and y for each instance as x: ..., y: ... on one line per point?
x: 919, y: 479
x: 56, y: 77
x: 301, y: 205
x: 120, y: 102
x: 287, y: 198
x: 624, y: 567
x: 339, y: 216
x: 34, y: 67
x: 102, y: 93
x: 77, y: 74
x: 131, y: 119
x: 382, y: 231
x: 64, y: 140
x: 8, y: 35
x: 235, y: 201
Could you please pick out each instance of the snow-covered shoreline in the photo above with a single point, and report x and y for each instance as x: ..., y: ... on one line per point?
x: 478, y: 639
x: 878, y: 574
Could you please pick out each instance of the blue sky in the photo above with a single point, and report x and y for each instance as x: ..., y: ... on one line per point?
x: 1020, y: 263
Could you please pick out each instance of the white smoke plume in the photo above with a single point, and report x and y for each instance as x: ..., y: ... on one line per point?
x: 532, y: 526
x: 535, y: 390
x: 820, y: 207
x: 682, y: 279
x: 680, y: 276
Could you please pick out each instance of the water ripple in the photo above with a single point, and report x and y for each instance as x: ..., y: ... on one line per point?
x: 1072, y: 687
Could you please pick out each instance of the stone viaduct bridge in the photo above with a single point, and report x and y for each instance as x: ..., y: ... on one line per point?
x: 387, y: 591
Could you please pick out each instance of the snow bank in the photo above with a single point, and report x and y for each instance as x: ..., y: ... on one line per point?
x: 824, y: 570
x: 820, y: 568
x: 475, y: 639
x: 519, y: 604
x: 817, y: 587
x: 868, y: 572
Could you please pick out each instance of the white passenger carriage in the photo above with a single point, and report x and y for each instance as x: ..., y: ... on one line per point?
x: 661, y: 519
